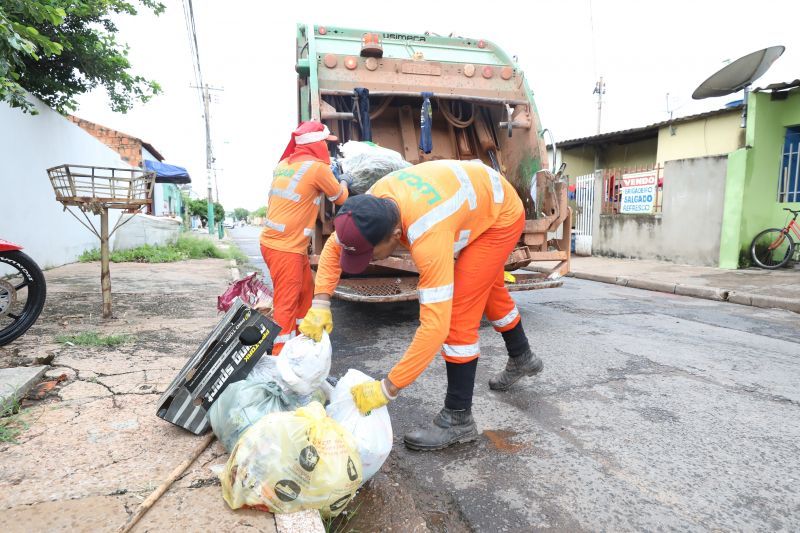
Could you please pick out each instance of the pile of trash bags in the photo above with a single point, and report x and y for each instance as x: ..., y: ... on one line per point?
x: 296, y: 441
x: 366, y: 163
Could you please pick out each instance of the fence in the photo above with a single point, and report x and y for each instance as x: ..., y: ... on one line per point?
x: 616, y: 180
x: 584, y: 201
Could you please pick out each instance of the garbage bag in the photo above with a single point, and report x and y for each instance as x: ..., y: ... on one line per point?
x: 291, y: 461
x: 303, y: 364
x: 373, y: 432
x: 367, y: 162
x: 242, y: 404
x: 266, y: 371
x: 251, y: 290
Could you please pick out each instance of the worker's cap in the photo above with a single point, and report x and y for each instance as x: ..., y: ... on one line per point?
x: 312, y: 131
x: 362, y: 222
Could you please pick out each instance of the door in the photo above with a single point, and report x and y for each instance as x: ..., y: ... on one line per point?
x: 584, y: 199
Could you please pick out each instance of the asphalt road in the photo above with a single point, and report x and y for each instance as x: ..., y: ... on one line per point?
x: 654, y: 412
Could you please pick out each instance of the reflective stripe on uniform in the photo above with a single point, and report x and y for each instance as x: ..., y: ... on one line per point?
x: 282, y: 339
x: 288, y: 193
x: 275, y: 225
x: 432, y: 295
x: 465, y: 194
x: 462, y: 350
x: 336, y: 196
x: 308, y: 232
x: 506, y: 320
x: 318, y: 200
x: 497, y: 185
x: 461, y: 243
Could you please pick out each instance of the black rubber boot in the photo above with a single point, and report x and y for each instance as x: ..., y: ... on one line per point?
x: 526, y: 364
x: 449, y: 427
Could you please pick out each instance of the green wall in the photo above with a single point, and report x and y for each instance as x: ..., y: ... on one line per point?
x: 751, y: 192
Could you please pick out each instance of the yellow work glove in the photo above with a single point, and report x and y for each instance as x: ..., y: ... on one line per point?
x: 370, y: 395
x: 317, y: 320
x: 508, y: 277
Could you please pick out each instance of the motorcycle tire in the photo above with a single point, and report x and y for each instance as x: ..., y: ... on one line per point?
x: 34, y: 284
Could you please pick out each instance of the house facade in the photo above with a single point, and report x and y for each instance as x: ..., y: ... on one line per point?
x: 167, y: 199
x: 716, y: 184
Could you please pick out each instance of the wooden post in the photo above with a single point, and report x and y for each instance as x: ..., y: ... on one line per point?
x: 105, y: 273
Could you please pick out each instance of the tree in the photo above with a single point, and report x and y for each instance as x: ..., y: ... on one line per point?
x: 200, y: 208
x: 260, y: 212
x: 240, y: 213
x: 60, y: 49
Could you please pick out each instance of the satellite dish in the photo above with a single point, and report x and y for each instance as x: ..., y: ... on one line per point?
x: 739, y: 74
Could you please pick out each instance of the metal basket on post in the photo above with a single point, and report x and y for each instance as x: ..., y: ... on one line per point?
x: 96, y: 190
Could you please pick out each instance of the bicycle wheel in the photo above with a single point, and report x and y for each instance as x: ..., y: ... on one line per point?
x: 22, y: 294
x: 772, y: 248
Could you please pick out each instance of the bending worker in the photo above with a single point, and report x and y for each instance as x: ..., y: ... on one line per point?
x: 438, y: 210
x: 298, y: 182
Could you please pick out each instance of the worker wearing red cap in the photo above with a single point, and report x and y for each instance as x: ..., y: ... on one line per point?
x: 298, y: 183
x: 460, y: 220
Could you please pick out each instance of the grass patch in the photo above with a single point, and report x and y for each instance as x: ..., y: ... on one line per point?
x: 340, y: 523
x: 11, y: 423
x: 91, y: 338
x: 187, y: 247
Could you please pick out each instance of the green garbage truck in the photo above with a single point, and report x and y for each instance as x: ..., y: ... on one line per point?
x: 482, y: 108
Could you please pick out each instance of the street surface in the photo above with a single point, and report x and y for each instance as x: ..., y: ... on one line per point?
x: 654, y: 412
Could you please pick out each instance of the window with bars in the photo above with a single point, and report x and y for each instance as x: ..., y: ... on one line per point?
x: 789, y: 181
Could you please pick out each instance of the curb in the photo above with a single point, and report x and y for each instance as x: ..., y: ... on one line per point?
x: 694, y: 291
x: 300, y: 522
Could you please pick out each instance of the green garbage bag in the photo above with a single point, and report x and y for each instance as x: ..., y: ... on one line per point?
x: 242, y: 404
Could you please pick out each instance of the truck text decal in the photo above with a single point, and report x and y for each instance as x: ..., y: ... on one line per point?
x: 419, y: 183
x: 401, y: 37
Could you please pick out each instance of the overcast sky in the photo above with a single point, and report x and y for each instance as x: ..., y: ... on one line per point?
x: 643, y: 49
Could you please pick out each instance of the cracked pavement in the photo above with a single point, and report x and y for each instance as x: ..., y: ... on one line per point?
x: 94, y: 448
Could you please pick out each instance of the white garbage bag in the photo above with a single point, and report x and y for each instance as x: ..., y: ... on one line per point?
x: 303, y: 364
x: 373, y: 433
x: 366, y: 163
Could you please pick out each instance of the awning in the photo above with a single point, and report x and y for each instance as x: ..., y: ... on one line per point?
x: 168, y: 173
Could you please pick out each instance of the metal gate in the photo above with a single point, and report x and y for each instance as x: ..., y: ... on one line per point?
x: 584, y: 198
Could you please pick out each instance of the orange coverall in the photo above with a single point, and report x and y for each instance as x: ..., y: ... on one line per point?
x: 298, y: 184
x: 448, y: 208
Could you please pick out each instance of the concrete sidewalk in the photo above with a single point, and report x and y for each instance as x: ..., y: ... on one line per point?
x: 757, y: 287
x: 93, y: 448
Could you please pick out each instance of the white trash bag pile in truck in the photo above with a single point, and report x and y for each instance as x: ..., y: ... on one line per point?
x: 287, y: 453
x: 367, y: 162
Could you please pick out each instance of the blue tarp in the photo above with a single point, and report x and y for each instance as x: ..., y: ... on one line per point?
x: 168, y: 173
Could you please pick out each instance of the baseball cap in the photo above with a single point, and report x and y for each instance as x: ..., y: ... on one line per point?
x: 362, y: 222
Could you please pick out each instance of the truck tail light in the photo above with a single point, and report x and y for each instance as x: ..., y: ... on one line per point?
x: 487, y: 72
x: 330, y: 60
x: 371, y: 45
x: 506, y: 73
x: 350, y: 62
x: 322, y: 30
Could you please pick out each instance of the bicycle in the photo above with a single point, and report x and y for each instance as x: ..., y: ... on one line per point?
x: 774, y: 247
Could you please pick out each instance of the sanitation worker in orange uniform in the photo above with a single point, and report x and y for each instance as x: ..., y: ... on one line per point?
x: 299, y: 181
x: 460, y: 220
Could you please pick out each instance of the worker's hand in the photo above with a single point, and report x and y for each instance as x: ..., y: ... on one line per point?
x: 370, y: 395
x: 347, y: 179
x: 317, y: 320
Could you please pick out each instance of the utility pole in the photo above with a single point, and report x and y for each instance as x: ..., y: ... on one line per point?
x: 206, y: 91
x: 599, y: 90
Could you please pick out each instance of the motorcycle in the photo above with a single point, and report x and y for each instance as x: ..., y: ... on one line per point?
x: 22, y: 292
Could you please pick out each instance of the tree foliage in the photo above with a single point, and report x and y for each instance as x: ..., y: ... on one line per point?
x: 200, y: 208
x: 240, y: 213
x: 260, y: 212
x: 60, y: 49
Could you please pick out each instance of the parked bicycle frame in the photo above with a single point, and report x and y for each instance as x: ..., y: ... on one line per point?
x: 774, y: 247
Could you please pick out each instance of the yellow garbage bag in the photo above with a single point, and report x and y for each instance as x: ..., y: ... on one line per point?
x: 291, y: 461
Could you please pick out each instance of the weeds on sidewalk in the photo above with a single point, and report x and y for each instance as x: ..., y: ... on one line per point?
x: 91, y: 338
x: 339, y: 524
x: 11, y: 423
x: 187, y: 247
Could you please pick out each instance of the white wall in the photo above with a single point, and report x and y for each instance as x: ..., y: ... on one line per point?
x: 29, y: 213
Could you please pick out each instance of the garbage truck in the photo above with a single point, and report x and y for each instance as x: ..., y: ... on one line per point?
x: 372, y: 86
